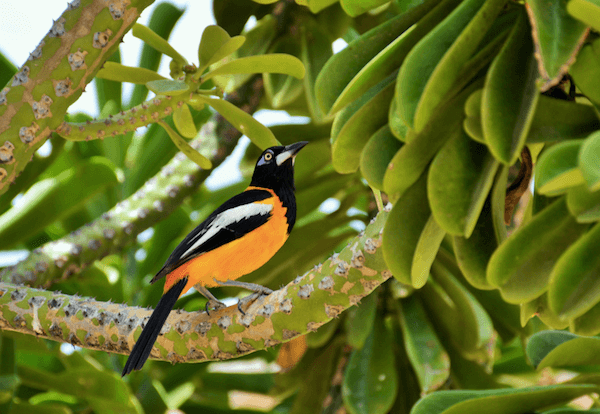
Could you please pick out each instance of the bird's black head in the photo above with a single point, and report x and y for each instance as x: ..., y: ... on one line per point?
x: 275, y: 167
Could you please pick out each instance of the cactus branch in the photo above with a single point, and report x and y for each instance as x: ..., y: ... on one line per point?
x: 301, y: 306
x: 35, y: 100
x: 157, y: 198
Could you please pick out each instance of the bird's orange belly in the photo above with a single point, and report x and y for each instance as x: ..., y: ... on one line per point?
x: 234, y: 259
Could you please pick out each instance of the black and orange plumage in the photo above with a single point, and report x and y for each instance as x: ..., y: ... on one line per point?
x: 237, y: 238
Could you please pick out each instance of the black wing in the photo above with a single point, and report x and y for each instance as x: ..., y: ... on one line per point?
x: 220, y: 235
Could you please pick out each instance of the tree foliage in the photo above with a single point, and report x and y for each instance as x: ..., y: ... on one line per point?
x: 474, y: 293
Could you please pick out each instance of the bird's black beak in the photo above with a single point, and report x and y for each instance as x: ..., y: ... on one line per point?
x: 290, y: 151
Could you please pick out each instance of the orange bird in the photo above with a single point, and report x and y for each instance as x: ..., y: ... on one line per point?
x: 237, y: 238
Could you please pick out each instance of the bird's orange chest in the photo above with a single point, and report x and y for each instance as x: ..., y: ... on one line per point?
x: 239, y: 257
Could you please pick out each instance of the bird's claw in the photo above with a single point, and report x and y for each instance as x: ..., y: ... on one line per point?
x: 213, y: 305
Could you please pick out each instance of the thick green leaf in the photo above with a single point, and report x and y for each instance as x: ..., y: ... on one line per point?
x: 186, y: 148
x: 403, y: 230
x: 584, y: 204
x: 589, y: 161
x: 506, y: 113
x: 472, y: 122
x: 425, y: 352
x: 184, y: 122
x: 215, y: 45
x: 557, y: 37
x: 460, y: 178
x: 168, y: 87
x: 55, y: 198
x: 430, y: 69
x: 316, y: 51
x: 473, y: 253
x: 259, y: 134
x: 520, y: 268
x: 558, y: 119
x: 370, y: 380
x: 121, y: 73
x: 345, y: 65
x: 391, y: 56
x: 500, y: 401
x: 427, y: 247
x: 149, y: 37
x: 357, y: 7
x: 542, y: 344
x: 322, y: 335
x: 359, y: 321
x: 587, y: 11
x: 396, y: 124
x: 413, y: 158
x: 588, y: 324
x: 476, y: 338
x: 557, y: 169
x: 586, y: 67
x: 574, y: 282
x: 377, y: 154
x: 353, y: 136
x: 273, y: 63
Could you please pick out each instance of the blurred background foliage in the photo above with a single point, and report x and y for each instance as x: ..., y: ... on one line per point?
x: 444, y: 108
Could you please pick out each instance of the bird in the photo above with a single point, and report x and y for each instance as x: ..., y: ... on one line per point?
x: 237, y: 238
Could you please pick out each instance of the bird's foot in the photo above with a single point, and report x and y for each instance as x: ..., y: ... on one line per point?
x: 254, y: 287
x: 213, y: 304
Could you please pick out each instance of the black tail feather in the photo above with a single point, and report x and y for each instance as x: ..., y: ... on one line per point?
x: 142, y: 348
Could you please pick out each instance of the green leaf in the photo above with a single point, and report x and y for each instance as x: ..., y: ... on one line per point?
x: 413, y: 158
x: 377, y: 154
x: 186, y: 148
x: 425, y: 251
x: 168, y: 87
x: 506, y: 113
x: 561, y: 349
x: 460, y: 178
x: 587, y: 11
x: 476, y: 338
x: 149, y: 37
x: 214, y: 38
x: 403, y: 229
x: 500, y: 401
x: 322, y: 335
x: 259, y: 134
x: 121, y: 73
x: 7, y: 69
x: 588, y: 324
x: 357, y: 7
x: 557, y: 38
x: 55, y: 198
x: 345, y: 65
x: 282, y: 89
x: 557, y: 169
x: 316, y: 50
x: 434, y: 64
x: 184, y: 122
x: 574, y: 283
x: 163, y: 19
x: 425, y: 352
x: 273, y: 63
x: 586, y: 67
x: 353, y: 136
x: 359, y: 321
x: 558, y: 120
x: 584, y: 204
x: 473, y: 253
x: 520, y: 268
x: 589, y: 161
x: 472, y: 122
x: 371, y: 381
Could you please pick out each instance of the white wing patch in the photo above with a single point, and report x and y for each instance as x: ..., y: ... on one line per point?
x: 224, y: 219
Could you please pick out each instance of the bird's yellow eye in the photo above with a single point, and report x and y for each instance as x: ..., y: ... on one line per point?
x: 268, y: 156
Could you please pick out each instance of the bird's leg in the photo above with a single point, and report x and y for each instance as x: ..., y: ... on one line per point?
x: 213, y: 302
x: 254, y: 287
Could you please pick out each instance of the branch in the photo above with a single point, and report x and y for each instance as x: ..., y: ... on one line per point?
x: 34, y: 102
x: 302, y: 306
x: 157, y: 198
